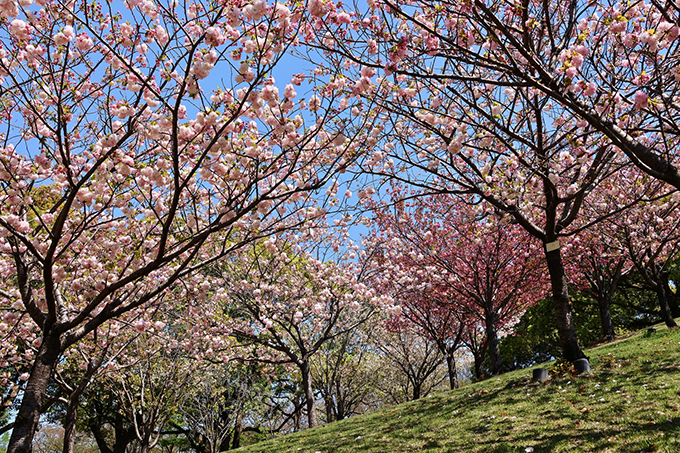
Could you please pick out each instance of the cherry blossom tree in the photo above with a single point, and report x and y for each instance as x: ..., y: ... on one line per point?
x: 595, y: 259
x: 609, y: 65
x: 166, y: 145
x: 444, y: 322
x: 425, y: 304
x: 464, y: 111
x: 474, y: 338
x: 453, y: 267
x: 291, y: 303
x: 346, y: 371
x: 598, y: 267
x: 414, y: 359
x: 647, y: 232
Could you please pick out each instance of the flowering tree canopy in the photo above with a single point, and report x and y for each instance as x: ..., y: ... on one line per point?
x: 146, y: 145
x: 511, y: 103
x: 610, y: 66
x: 141, y: 141
x: 292, y: 303
x: 450, y: 267
x: 646, y: 234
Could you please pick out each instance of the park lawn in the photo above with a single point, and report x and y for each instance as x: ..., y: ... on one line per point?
x: 629, y: 403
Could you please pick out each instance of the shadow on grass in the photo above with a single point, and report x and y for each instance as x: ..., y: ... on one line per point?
x: 642, y: 438
x: 562, y: 414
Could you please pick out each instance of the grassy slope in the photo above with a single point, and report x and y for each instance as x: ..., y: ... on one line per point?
x: 629, y: 403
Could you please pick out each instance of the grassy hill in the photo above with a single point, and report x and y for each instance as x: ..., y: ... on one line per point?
x: 629, y: 403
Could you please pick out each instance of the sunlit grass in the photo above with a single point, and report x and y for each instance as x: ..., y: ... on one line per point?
x: 629, y: 403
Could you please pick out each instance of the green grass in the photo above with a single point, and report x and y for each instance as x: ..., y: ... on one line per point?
x: 629, y: 403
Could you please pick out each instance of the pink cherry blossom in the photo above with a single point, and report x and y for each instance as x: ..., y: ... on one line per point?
x: 318, y: 8
x: 83, y: 42
x: 289, y: 92
x: 20, y: 29
x: 65, y: 36
x: 591, y: 89
x: 641, y: 100
x: 343, y: 18
x: 8, y: 8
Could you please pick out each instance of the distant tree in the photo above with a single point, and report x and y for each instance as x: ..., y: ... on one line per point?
x: 646, y: 233
x: 346, y: 373
x: 50, y: 439
x: 219, y: 400
x: 412, y: 362
x: 291, y: 304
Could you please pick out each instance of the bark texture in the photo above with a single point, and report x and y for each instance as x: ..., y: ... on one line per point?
x: 309, y: 394
x: 27, y: 419
x: 563, y: 307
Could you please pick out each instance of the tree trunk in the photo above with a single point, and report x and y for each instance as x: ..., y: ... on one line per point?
x: 340, y: 409
x: 223, y: 446
x: 672, y: 299
x: 238, y: 429
x: 70, y: 423
x: 571, y: 350
x: 96, y: 429
x: 328, y: 401
x: 453, y: 372
x: 27, y: 419
x: 663, y: 303
x: 416, y: 391
x: 297, y: 416
x: 309, y: 394
x: 606, y: 317
x: 478, y: 355
x: 492, y: 344
x: 123, y: 435
x: 72, y: 410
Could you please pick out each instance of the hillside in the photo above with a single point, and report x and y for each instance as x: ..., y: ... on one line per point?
x: 629, y: 403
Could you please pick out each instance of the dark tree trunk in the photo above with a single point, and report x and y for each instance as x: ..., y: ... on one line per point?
x: 297, y: 416
x: 123, y: 435
x: 603, y: 284
x: 340, y: 413
x: 197, y: 441
x: 606, y: 317
x: 238, y: 429
x: 70, y: 423
x: 663, y: 303
x: 571, y: 350
x: 26, y: 421
x: 492, y: 344
x: 328, y: 401
x: 72, y: 410
x: 224, y: 445
x: 478, y: 356
x: 95, y: 428
x: 672, y: 300
x: 479, y: 368
x: 312, y: 421
x: 416, y: 391
x: 453, y: 372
